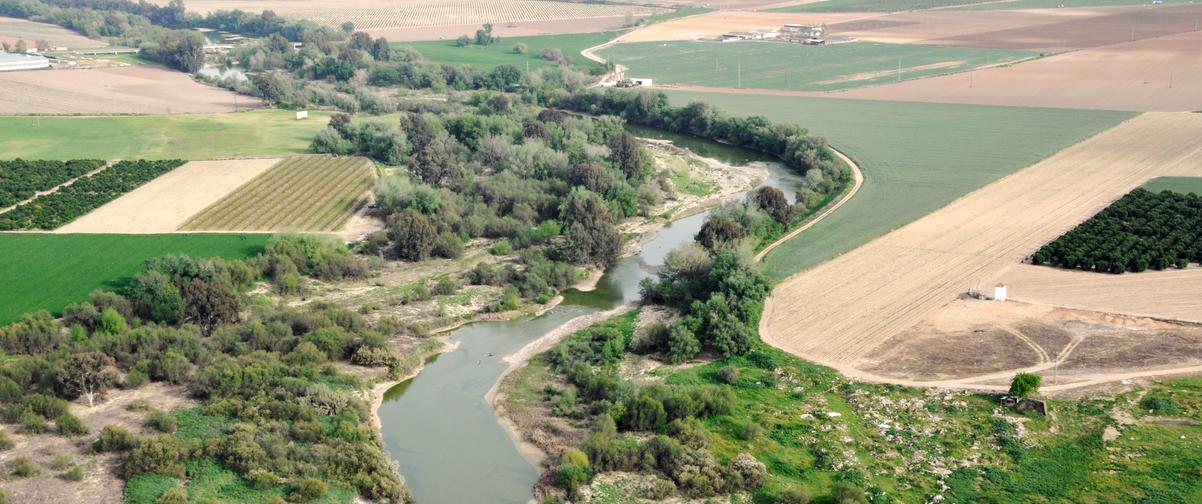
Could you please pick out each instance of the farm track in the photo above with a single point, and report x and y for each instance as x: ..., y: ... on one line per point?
x: 858, y: 177
x: 836, y: 313
x: 309, y: 193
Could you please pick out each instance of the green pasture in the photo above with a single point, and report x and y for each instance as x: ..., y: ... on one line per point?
x: 485, y: 58
x: 183, y: 136
x: 916, y: 157
x: 797, y: 67
x: 1175, y: 184
x: 43, y: 271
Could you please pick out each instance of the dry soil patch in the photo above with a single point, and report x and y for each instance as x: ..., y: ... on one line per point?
x: 13, y: 29
x: 1170, y: 294
x: 841, y: 310
x: 165, y: 203
x: 123, y: 90
x: 717, y: 23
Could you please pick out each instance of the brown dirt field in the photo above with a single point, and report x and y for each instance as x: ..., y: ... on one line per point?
x: 123, y: 90
x: 13, y: 29
x: 1131, y: 76
x: 842, y: 310
x: 974, y: 342
x: 100, y: 484
x: 393, y: 18
x: 517, y: 29
x: 165, y: 203
x: 1170, y: 294
x: 1116, y: 25
x: 940, y: 27
x: 719, y: 22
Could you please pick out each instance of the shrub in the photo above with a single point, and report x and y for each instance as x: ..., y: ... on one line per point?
x: 22, y: 467
x: 176, y: 495
x: 1024, y: 384
x: 729, y: 375
x: 793, y: 495
x: 74, y: 474
x: 70, y: 426
x: 31, y: 423
x: 113, y: 438
x: 746, y: 472
x: 308, y: 489
x: 5, y: 441
x: 162, y: 454
x: 162, y: 422
x: 846, y: 493
x: 750, y: 431
x: 1158, y: 404
x: 521, y: 48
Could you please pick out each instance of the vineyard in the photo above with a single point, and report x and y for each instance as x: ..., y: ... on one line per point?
x: 53, y: 210
x: 21, y: 180
x: 308, y: 193
x: 1140, y: 231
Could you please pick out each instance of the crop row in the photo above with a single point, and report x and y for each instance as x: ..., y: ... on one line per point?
x: 21, y: 179
x: 52, y: 211
x: 305, y: 193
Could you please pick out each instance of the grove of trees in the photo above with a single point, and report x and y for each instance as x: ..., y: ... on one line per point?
x: 52, y: 211
x: 21, y: 179
x: 280, y: 413
x: 1141, y: 230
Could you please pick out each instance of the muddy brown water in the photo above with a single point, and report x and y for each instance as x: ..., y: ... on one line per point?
x: 439, y: 427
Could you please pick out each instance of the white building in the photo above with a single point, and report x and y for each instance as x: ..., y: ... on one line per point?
x: 12, y: 61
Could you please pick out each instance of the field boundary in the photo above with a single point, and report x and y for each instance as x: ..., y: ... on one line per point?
x: 855, y: 188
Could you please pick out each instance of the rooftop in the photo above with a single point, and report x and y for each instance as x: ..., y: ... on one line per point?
x: 20, y: 58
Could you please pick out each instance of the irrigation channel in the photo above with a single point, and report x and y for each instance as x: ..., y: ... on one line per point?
x: 439, y: 427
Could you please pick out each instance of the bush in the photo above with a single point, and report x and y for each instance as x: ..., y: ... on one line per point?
x: 846, y: 493
x: 162, y: 422
x: 750, y: 431
x: 74, y: 474
x: 308, y: 489
x: 176, y: 495
x: 729, y: 375
x: 793, y: 495
x: 162, y: 454
x: 70, y: 426
x: 113, y: 438
x: 5, y: 441
x: 1158, y: 404
x: 521, y: 48
x: 31, y: 423
x: 22, y: 467
x: 1024, y: 384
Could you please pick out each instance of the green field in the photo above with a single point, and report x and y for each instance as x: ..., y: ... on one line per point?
x: 1175, y: 184
x: 779, y: 65
x: 184, y: 136
x: 49, y: 271
x: 916, y: 157
x: 485, y: 58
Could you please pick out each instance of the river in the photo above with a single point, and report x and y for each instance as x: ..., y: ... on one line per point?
x: 439, y: 427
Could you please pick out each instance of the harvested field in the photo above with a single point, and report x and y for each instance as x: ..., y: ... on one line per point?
x: 925, y: 27
x: 841, y: 310
x: 394, y: 18
x: 123, y: 90
x: 306, y: 193
x: 165, y: 203
x: 507, y: 30
x: 1170, y: 294
x: 969, y: 341
x: 1162, y: 74
x: 717, y: 23
x: 14, y: 29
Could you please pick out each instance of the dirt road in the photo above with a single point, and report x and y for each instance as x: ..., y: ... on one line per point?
x: 837, y: 312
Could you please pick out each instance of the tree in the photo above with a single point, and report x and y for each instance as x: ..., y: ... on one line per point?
x: 720, y: 233
x: 1025, y: 384
x: 629, y: 156
x: 682, y: 344
x: 412, y: 236
x: 484, y: 35
x: 772, y: 201
x: 88, y: 374
x: 210, y: 304
x: 463, y: 41
x: 591, y: 235
x: 521, y: 48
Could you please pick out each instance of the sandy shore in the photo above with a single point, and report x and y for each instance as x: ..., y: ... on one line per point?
x: 523, y: 355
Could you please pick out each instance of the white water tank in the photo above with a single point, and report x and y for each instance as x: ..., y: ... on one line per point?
x: 1001, y: 292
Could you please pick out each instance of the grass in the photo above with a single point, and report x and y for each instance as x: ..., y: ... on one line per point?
x: 1175, y: 184
x: 778, y: 65
x: 48, y: 271
x: 916, y: 157
x: 309, y: 193
x: 1052, y: 4
x: 184, y: 136
x: 676, y: 14
x: 485, y: 58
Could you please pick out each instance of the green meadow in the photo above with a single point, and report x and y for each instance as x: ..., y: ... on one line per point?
x: 1175, y: 184
x: 916, y: 157
x: 485, y: 58
x: 779, y: 65
x: 44, y: 271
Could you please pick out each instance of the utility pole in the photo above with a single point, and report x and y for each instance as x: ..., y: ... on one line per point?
x: 898, y: 69
x: 1170, y: 79
x: 740, y: 75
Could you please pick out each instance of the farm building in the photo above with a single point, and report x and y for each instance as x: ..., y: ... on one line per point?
x: 10, y: 61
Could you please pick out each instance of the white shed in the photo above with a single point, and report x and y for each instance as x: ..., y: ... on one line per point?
x: 303, y: 114
x: 13, y: 61
x: 1001, y: 292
